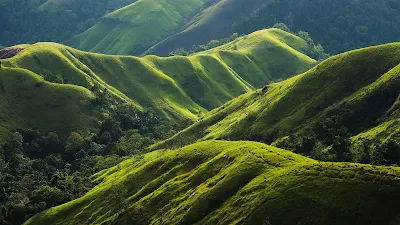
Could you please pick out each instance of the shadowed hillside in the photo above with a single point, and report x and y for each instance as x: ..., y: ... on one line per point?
x: 176, y: 88
x: 160, y: 27
x: 352, y: 94
x: 27, y: 101
x: 136, y: 27
x: 218, y: 182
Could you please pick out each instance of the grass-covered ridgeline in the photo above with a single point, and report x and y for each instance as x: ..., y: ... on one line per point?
x: 346, y: 95
x: 339, y: 26
x: 176, y: 88
x: 219, y: 182
x: 136, y: 27
x: 28, y: 101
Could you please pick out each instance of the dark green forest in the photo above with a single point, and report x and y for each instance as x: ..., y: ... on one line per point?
x: 264, y: 112
x: 39, y: 171
x: 30, y: 21
x: 338, y: 25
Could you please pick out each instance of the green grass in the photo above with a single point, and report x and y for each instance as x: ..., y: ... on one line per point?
x: 219, y: 182
x: 136, y: 27
x: 27, y: 101
x: 359, y: 88
x: 212, y: 23
x: 176, y: 88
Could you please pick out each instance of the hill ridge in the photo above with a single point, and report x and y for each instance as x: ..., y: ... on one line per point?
x: 176, y: 88
x: 328, y: 96
x: 220, y: 182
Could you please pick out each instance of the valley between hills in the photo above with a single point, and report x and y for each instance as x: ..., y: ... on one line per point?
x: 189, y: 112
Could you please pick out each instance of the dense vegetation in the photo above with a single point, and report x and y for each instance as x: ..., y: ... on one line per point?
x: 66, y: 114
x: 218, y: 182
x: 315, y: 114
x: 41, y: 169
x: 338, y: 25
x: 344, y: 109
x: 209, y: 45
x: 160, y: 27
x: 166, y: 84
x: 87, y: 138
x: 135, y: 28
x: 29, y: 21
x: 316, y: 51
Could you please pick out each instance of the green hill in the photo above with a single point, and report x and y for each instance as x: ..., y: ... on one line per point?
x: 339, y: 26
x: 163, y: 26
x: 355, y: 93
x: 27, y: 101
x: 136, y: 27
x: 212, y: 23
x: 219, y: 182
x: 176, y: 88
x: 31, y: 21
x: 159, y: 27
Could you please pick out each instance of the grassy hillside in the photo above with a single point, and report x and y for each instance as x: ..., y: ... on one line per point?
x: 27, y: 101
x: 219, y: 182
x: 31, y: 21
x: 339, y: 26
x: 166, y: 85
x: 212, y: 23
x: 344, y: 96
x: 138, y: 26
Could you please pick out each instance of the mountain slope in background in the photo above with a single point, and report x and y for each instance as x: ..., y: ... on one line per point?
x: 354, y: 94
x: 136, y: 27
x: 159, y: 27
x: 176, y: 88
x: 144, y: 27
x: 219, y: 182
x: 31, y: 21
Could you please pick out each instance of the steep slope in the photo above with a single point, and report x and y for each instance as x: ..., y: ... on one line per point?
x: 177, y: 88
x: 30, y: 21
x: 214, y: 22
x: 219, y: 182
x: 350, y: 93
x: 27, y: 101
x: 339, y: 26
x: 138, y: 26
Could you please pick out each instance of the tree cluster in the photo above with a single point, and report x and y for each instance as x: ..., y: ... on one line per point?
x: 339, y: 25
x: 38, y: 171
x: 29, y: 21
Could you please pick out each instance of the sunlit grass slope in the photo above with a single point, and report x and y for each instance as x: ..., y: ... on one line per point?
x: 27, y: 101
x: 136, y: 27
x: 359, y: 89
x: 175, y: 87
x: 212, y: 23
x: 51, y: 4
x: 218, y: 182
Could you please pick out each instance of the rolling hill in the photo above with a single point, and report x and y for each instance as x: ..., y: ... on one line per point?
x: 218, y: 182
x: 175, y: 88
x: 149, y: 27
x: 133, y: 29
x: 159, y: 27
x: 31, y: 21
x: 355, y: 24
x: 29, y: 101
x: 355, y: 94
